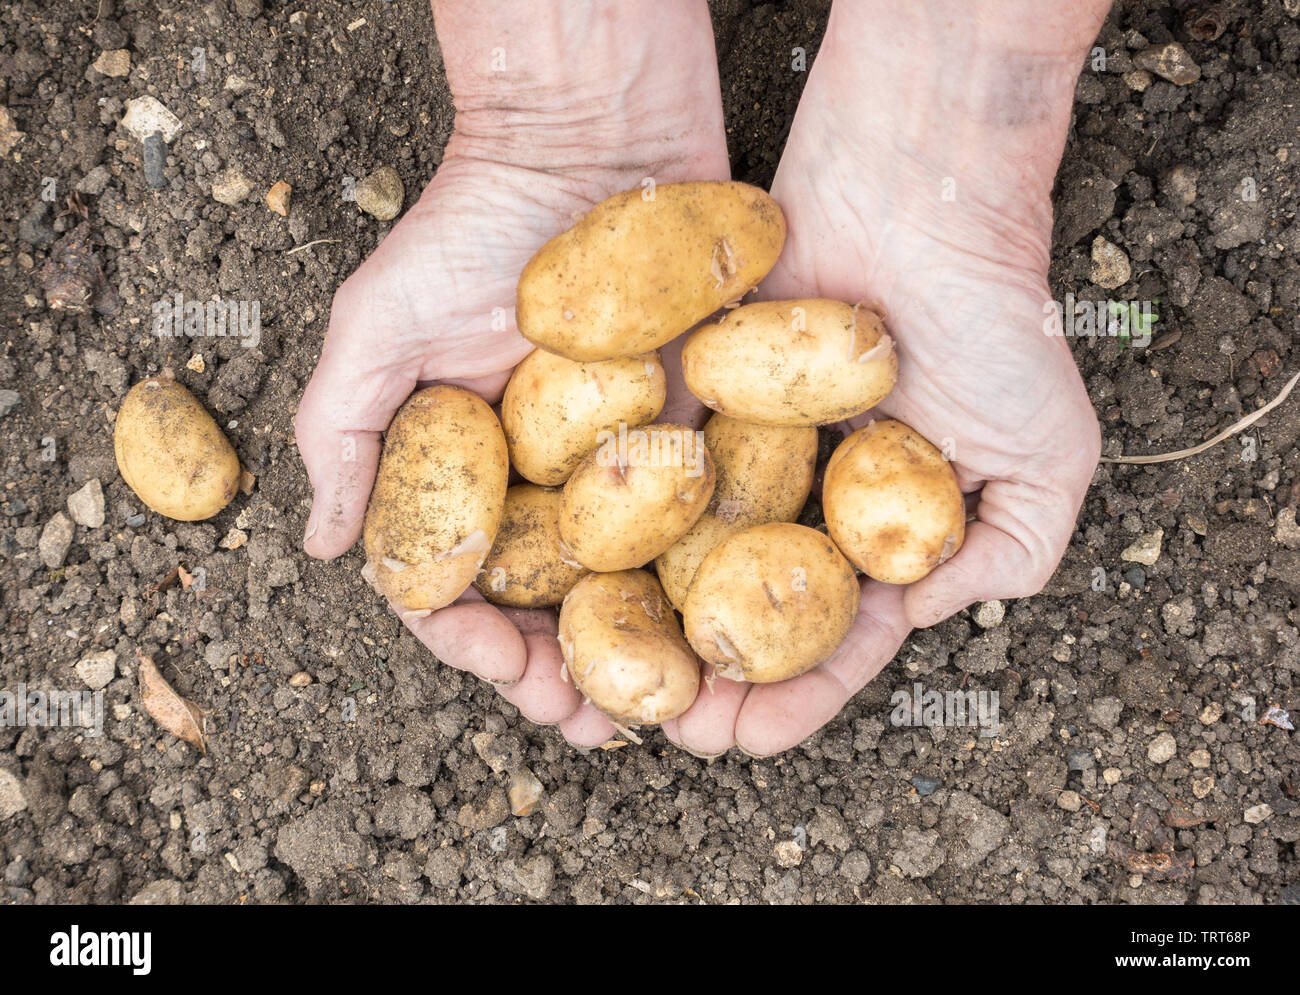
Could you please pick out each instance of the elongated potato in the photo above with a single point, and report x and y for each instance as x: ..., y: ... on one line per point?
x: 644, y: 266
x: 806, y: 362
x: 554, y: 409
x: 892, y: 503
x: 526, y: 567
x: 623, y: 649
x: 635, y: 496
x: 172, y: 454
x: 770, y: 603
x: 437, y: 500
x: 764, y: 475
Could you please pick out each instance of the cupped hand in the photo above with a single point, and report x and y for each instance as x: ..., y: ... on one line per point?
x: 962, y: 285
x: 435, y: 302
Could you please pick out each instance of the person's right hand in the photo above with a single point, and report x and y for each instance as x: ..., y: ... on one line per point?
x: 435, y: 302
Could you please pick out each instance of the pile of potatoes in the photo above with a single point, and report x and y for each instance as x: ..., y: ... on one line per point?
x: 625, y: 522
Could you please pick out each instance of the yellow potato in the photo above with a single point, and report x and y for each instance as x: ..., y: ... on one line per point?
x: 437, y: 500
x: 764, y: 475
x: 644, y: 266
x: 527, y: 568
x: 892, y: 503
x: 806, y: 362
x: 770, y: 603
x: 624, y: 650
x: 635, y: 496
x: 554, y: 409
x: 171, y: 452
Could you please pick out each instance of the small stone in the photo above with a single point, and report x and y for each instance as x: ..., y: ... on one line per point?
x: 525, y: 792
x: 489, y: 809
x: 155, y: 160
x: 925, y: 786
x: 1258, y: 813
x: 277, y: 198
x: 12, y: 799
x: 9, y: 133
x: 114, y: 62
x: 1285, y: 530
x: 1202, y: 786
x: 8, y: 400
x: 196, y: 363
x: 788, y: 854
x: 98, y: 669
x: 1080, y: 760
x: 1137, y: 79
x: 1069, y: 800
x: 1200, y: 759
x: 1179, y: 184
x: 1110, y: 265
x: 381, y: 194
x: 94, y: 182
x: 230, y: 187
x: 1112, y: 775
x: 1136, y: 577
x: 56, y: 540
x: 238, y: 84
x: 1145, y: 549
x: 146, y: 115
x: 300, y: 679
x: 1162, y: 749
x: 86, y: 506
x: 134, y: 521
x: 1169, y: 62
x: 234, y: 539
x: 989, y: 615
x: 1211, y: 713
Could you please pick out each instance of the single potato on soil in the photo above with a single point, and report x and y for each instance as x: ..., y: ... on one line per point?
x: 804, y: 362
x: 765, y: 473
x: 645, y: 265
x: 171, y: 452
x: 526, y: 567
x: 892, y: 503
x: 554, y: 409
x: 624, y: 650
x: 437, y: 500
x: 635, y: 496
x: 770, y: 603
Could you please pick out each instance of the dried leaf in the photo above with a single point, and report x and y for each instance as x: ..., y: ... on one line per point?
x: 186, y: 578
x: 613, y: 744
x: 246, y: 481
x: 179, y: 716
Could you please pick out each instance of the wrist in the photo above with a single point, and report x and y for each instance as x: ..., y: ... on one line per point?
x: 626, y: 87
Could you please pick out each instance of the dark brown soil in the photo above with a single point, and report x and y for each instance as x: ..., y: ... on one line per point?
x: 384, y: 778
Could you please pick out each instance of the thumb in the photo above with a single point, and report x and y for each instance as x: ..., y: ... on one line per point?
x: 344, y: 410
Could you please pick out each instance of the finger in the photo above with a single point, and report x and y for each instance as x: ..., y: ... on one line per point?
x: 473, y: 636
x: 587, y: 727
x: 681, y: 407
x: 542, y: 695
x: 490, y: 388
x: 1011, y: 551
x: 777, y: 717
x: 347, y: 405
x: 708, y: 728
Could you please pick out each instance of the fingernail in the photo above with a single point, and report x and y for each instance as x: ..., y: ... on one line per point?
x: 701, y: 756
x: 311, y: 527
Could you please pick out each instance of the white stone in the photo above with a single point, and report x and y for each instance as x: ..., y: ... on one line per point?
x: 86, y: 506
x: 98, y: 669
x: 145, y: 115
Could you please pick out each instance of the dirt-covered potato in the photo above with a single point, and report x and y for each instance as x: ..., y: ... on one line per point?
x: 624, y: 650
x: 526, y: 567
x: 635, y: 496
x: 644, y: 266
x: 770, y: 603
x: 437, y: 500
x: 554, y: 409
x: 892, y: 503
x: 806, y: 362
x: 171, y: 452
x: 764, y: 475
